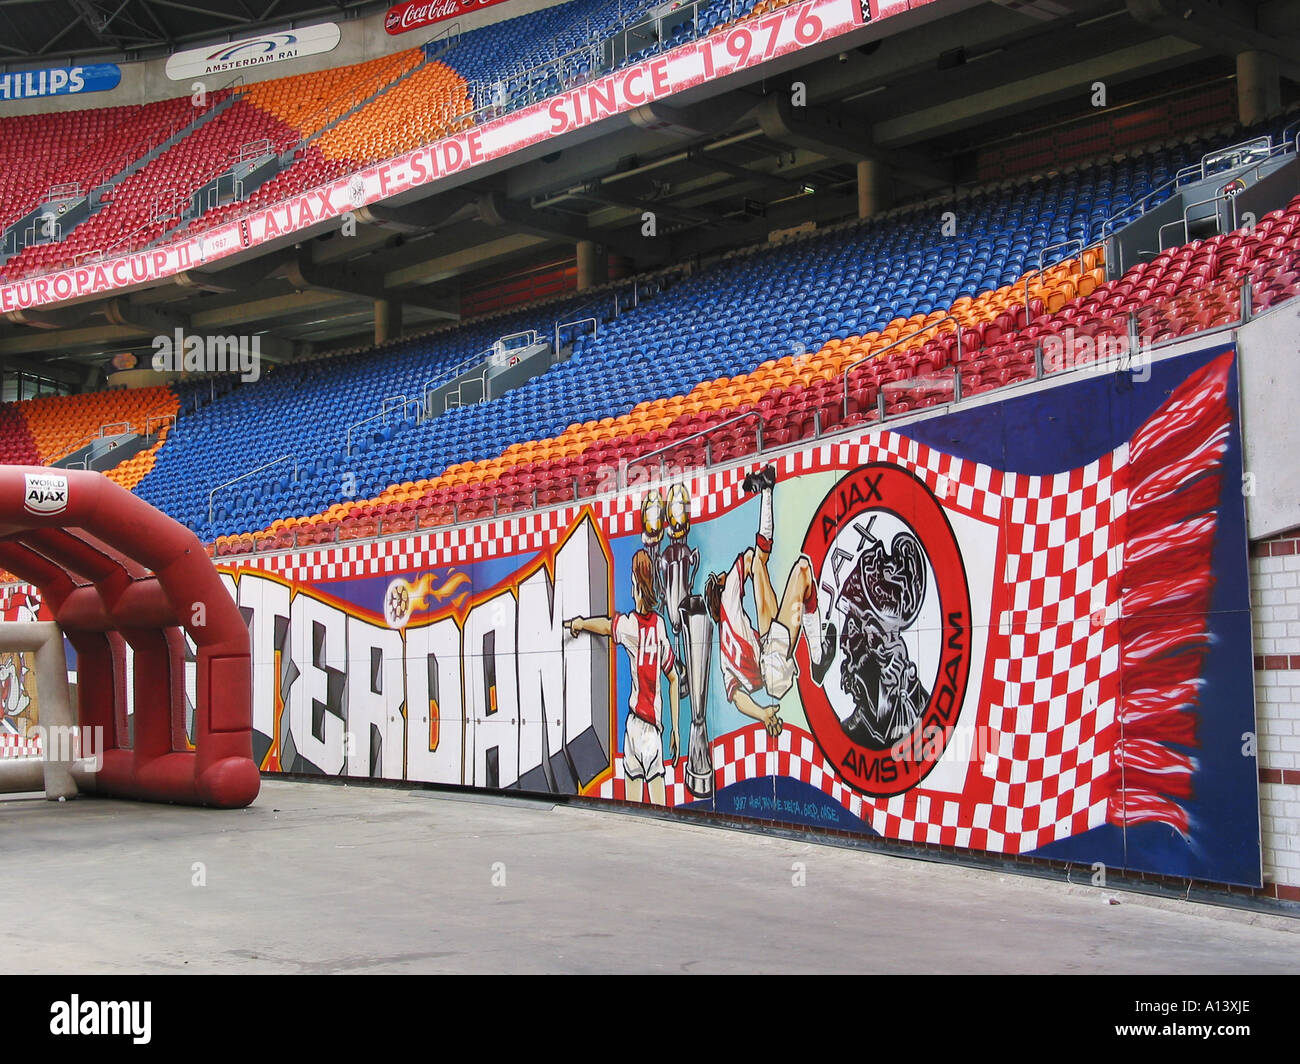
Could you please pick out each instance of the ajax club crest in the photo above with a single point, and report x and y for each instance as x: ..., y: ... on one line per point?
x: 886, y: 558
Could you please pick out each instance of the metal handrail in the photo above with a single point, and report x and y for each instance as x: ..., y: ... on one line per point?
x: 162, y: 418
x: 98, y: 434
x: 149, y: 144
x: 614, y: 288
x: 463, y: 366
x: 1043, y: 254
x: 244, y: 476
x: 1227, y: 197
x: 910, y: 336
x: 481, y: 378
x: 485, y: 358
x: 78, y: 446
x: 389, y: 402
x: 1106, y: 226
x: 580, y: 321
x: 324, y: 109
x: 1286, y: 144
x: 499, y: 348
x: 449, y: 33
x: 708, y: 460
x: 100, y: 254
x: 30, y: 237
x: 1233, y: 151
x: 911, y: 384
x: 383, y: 413
x: 259, y: 147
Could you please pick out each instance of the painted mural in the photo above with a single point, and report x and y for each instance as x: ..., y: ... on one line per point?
x: 19, y: 703
x: 1020, y: 628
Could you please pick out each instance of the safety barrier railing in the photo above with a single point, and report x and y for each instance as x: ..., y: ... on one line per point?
x: 626, y: 464
x: 103, y: 432
x: 90, y: 438
x: 1112, y: 223
x: 486, y: 358
x: 244, y: 476
x: 209, y: 195
x: 528, y: 335
x: 463, y: 366
x: 1236, y: 155
x: 45, y: 230
x: 160, y: 419
x: 1229, y: 198
x: 1288, y: 144
x: 253, y: 149
x: 449, y: 33
x: 848, y: 370
x: 393, y: 402
x: 1042, y: 255
x: 459, y: 394
x: 595, y: 328
x: 169, y: 206
x: 151, y: 142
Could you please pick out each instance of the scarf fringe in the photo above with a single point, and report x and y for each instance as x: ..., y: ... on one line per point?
x: 1175, y: 473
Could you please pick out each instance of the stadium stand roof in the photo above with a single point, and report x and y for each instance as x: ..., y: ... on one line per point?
x: 46, y: 31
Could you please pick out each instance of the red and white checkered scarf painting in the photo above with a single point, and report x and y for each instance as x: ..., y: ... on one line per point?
x: 1096, y: 634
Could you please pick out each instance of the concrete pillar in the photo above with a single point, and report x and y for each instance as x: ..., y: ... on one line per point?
x: 388, y: 320
x: 873, y: 188
x: 593, y: 265
x: 1259, y: 89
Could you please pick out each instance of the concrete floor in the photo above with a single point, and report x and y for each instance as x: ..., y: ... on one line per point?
x: 320, y: 878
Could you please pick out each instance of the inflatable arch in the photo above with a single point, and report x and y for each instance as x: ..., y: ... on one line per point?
x: 115, y: 572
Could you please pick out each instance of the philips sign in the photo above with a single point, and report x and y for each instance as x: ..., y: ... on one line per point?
x: 253, y: 51
x: 59, y: 81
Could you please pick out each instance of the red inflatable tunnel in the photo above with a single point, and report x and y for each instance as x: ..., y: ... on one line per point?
x: 114, y: 571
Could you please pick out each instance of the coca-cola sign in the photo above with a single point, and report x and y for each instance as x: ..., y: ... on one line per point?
x: 416, y: 13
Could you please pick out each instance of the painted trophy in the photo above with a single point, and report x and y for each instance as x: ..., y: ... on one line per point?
x: 697, y: 627
x: 678, y: 564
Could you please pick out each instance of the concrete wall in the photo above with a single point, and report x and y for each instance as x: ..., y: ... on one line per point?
x: 1270, y: 397
x: 362, y: 39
